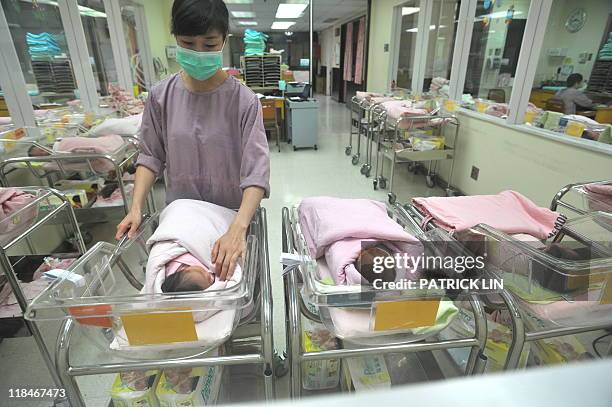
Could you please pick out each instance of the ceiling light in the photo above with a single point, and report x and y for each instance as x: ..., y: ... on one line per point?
x: 243, y: 14
x: 282, y: 25
x: 288, y: 33
x: 412, y: 30
x: 251, y: 23
x: 290, y: 10
x: 239, y: 1
x: 406, y: 11
x: 498, y: 14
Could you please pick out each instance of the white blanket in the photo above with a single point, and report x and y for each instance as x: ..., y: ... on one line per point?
x: 188, y: 226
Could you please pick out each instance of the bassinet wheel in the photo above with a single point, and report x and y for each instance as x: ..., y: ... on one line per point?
x: 348, y: 150
x: 382, y: 183
x: 368, y: 172
x: 375, y: 183
x: 316, y: 147
x: 294, y: 148
x: 411, y: 167
x: 392, y: 198
x: 364, y: 168
x: 429, y: 180
x: 355, y: 160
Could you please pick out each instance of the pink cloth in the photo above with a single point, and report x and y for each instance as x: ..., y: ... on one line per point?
x: 326, y: 221
x: 11, y: 201
x: 601, y: 189
x: 90, y: 145
x: 368, y: 95
x: 348, y: 54
x: 184, y: 259
x: 397, y: 109
x: 359, y: 60
x: 509, y: 212
x: 497, y: 109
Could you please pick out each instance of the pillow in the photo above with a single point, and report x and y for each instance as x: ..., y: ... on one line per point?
x: 127, y: 126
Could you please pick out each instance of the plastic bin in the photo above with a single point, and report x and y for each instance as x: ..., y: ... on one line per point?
x: 365, y: 315
x: 566, y: 281
x: 113, y: 314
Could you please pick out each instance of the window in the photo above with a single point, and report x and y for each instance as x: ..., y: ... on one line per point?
x: 408, y: 29
x: 578, y: 41
x: 442, y: 29
x: 95, y: 25
x: 39, y: 39
x: 496, y: 44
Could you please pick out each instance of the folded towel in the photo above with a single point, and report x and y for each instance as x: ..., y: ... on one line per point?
x: 509, y: 212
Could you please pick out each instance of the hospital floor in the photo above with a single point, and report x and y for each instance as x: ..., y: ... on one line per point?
x: 295, y: 174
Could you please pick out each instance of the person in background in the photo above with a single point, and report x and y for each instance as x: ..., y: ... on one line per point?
x: 573, y: 96
x: 204, y: 130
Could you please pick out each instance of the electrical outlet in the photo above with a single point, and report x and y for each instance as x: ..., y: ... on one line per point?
x: 386, y: 47
x: 475, y: 173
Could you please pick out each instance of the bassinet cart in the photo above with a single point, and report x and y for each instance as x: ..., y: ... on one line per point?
x: 401, y: 150
x: 18, y: 261
x: 330, y: 306
x: 130, y: 331
x: 547, y: 297
x: 63, y: 166
x: 579, y: 198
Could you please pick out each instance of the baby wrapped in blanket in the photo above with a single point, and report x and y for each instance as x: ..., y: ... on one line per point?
x: 180, y: 261
x: 350, y: 233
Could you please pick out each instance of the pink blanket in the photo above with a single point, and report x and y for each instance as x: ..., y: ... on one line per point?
x: 88, y: 145
x: 509, y: 212
x: 337, y: 228
x: 398, y: 109
x: 601, y: 189
x: 11, y: 201
x: 368, y: 95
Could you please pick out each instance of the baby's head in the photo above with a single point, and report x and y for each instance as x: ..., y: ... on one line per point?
x: 365, y: 264
x: 188, y: 278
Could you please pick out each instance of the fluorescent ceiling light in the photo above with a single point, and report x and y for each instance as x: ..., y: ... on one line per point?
x: 406, y: 11
x: 239, y: 1
x: 85, y: 11
x: 243, y: 14
x: 282, y: 25
x: 290, y: 10
x: 498, y: 14
x: 431, y: 27
x: 252, y: 23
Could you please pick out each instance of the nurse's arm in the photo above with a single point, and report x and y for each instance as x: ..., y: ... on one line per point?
x: 143, y: 182
x: 232, y: 245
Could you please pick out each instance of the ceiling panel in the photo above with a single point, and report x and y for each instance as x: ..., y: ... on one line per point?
x: 265, y: 13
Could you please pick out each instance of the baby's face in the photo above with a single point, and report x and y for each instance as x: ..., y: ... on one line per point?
x: 199, y: 276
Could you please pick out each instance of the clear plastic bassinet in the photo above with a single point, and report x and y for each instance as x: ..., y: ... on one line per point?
x: 366, y: 315
x: 566, y: 281
x: 102, y: 295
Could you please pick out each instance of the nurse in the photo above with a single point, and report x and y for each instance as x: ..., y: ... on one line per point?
x: 205, y: 130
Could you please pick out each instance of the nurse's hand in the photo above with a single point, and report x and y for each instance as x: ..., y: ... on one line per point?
x: 129, y: 224
x: 227, y: 250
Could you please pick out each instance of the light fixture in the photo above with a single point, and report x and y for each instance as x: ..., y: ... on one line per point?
x: 243, y: 14
x: 85, y: 11
x: 406, y: 11
x: 431, y: 28
x: 288, y: 33
x: 290, y: 10
x: 497, y: 14
x: 251, y: 23
x: 282, y: 25
x: 239, y: 1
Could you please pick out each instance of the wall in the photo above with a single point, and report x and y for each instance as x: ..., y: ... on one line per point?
x: 158, y: 26
x: 587, y: 39
x: 513, y: 159
x: 381, y: 30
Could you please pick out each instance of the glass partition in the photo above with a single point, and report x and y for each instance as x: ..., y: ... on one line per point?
x: 494, y: 52
x: 407, y: 44
x: 572, y: 89
x: 39, y: 39
x: 442, y: 29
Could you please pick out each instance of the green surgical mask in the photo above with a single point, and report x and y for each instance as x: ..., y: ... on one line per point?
x: 199, y: 65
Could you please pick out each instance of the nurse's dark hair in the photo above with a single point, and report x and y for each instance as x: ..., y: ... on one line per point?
x: 573, y: 79
x: 199, y: 17
x: 179, y: 282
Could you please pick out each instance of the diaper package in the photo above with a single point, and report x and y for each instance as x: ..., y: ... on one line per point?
x: 369, y: 373
x: 189, y: 387
x: 320, y: 374
x: 135, y: 389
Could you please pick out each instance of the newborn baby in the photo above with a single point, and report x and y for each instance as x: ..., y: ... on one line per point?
x: 365, y: 264
x: 186, y: 273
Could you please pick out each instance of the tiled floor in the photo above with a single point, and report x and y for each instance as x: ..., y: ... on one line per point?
x: 295, y: 175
